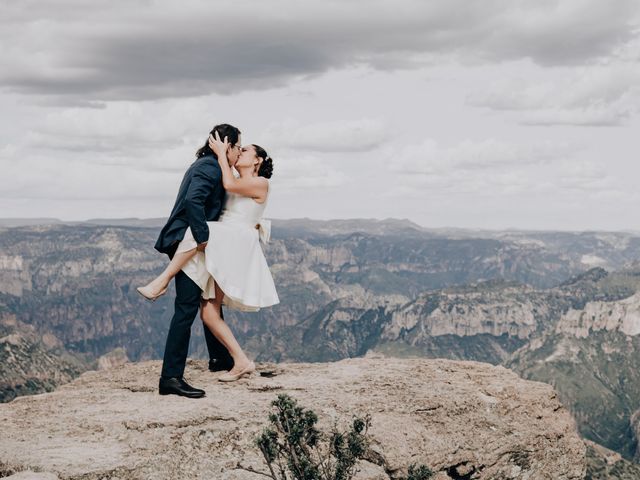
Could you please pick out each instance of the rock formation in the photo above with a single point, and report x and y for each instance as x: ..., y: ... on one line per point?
x: 603, y: 464
x: 465, y: 420
x: 31, y: 362
x: 113, y: 359
x: 347, y: 289
x: 592, y: 358
x: 623, y: 316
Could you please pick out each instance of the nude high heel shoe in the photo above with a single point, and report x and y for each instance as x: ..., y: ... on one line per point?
x: 148, y: 295
x: 229, y: 377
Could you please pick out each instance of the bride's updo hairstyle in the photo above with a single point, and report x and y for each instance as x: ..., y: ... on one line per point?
x: 266, y: 167
x: 224, y: 130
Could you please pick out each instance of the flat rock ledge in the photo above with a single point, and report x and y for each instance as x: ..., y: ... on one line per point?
x: 463, y: 419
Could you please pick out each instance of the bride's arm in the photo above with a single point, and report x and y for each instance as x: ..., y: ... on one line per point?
x: 253, y: 187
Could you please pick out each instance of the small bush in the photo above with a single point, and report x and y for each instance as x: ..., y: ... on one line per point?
x: 419, y: 473
x: 294, y: 449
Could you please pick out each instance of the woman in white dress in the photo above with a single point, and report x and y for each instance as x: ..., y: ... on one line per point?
x: 232, y: 269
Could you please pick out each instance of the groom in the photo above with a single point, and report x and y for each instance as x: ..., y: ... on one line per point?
x: 199, y: 200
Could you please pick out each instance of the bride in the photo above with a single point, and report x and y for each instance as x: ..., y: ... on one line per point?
x: 232, y: 268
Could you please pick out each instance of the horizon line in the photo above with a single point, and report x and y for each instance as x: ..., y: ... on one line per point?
x: 371, y: 219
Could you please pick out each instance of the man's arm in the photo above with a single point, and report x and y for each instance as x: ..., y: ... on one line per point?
x: 201, y: 186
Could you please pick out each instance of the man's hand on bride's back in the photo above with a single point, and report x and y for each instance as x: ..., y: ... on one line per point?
x: 201, y: 246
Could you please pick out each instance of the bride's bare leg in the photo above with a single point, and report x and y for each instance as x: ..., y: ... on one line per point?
x: 210, y: 312
x: 161, y: 282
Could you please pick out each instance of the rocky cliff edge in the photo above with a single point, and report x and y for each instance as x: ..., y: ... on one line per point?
x: 463, y: 419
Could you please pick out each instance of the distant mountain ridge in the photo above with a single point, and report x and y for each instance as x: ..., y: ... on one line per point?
x: 120, y: 222
x: 333, y: 226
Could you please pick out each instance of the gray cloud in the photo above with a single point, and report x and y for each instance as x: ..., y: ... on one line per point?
x: 364, y: 84
x: 496, y: 168
x: 605, y: 94
x: 469, y: 157
x: 137, y: 50
x: 342, y: 136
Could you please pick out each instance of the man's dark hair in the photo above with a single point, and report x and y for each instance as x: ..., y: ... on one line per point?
x: 224, y: 130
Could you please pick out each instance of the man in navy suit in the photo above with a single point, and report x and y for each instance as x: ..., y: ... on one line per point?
x: 200, y: 199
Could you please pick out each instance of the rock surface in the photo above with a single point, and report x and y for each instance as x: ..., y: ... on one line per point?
x: 115, y: 358
x: 592, y: 358
x: 635, y: 427
x: 463, y: 419
x: 605, y: 464
x: 31, y: 362
x: 623, y: 315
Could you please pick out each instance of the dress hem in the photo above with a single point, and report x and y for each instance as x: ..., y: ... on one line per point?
x: 235, y: 297
x: 237, y: 301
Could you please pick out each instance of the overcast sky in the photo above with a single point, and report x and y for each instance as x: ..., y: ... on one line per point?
x: 480, y: 114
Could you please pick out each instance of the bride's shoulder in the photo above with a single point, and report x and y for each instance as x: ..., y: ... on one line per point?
x: 260, y: 182
x: 267, y: 183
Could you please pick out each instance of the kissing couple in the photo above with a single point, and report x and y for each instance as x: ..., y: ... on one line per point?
x: 213, y: 240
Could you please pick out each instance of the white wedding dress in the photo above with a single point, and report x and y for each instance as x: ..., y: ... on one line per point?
x: 233, y: 256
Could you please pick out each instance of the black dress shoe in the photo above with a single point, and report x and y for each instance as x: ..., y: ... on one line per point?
x: 217, y: 365
x: 177, y: 386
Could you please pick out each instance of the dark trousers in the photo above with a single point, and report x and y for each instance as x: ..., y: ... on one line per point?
x: 187, y: 302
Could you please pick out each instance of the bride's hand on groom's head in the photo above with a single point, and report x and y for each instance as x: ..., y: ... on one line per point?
x: 218, y: 146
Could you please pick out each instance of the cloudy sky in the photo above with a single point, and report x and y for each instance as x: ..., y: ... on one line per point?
x: 492, y: 114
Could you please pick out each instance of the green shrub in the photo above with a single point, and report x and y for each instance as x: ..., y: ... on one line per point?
x: 294, y: 449
x: 419, y: 473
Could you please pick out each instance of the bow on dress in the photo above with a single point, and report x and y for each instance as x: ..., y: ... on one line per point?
x: 264, y: 230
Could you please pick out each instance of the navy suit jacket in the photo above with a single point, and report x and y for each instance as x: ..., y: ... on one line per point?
x: 199, y: 201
